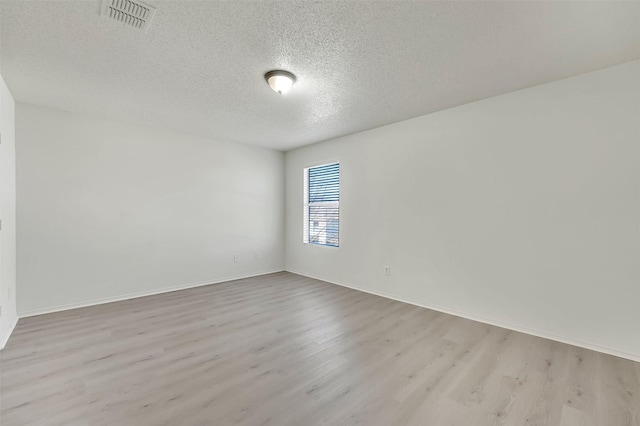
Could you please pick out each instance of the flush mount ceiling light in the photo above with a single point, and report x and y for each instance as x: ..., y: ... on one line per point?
x: 280, y: 81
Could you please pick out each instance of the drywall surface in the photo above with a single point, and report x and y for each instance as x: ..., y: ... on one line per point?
x: 8, y: 317
x: 109, y: 210
x: 521, y: 210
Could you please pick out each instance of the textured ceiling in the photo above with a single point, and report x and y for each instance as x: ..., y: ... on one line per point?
x: 359, y: 65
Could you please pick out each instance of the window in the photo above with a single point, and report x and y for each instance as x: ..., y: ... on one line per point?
x: 322, y: 205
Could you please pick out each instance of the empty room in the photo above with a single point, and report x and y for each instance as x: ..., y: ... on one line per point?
x: 301, y: 213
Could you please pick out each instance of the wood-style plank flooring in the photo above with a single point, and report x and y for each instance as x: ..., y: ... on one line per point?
x: 282, y: 349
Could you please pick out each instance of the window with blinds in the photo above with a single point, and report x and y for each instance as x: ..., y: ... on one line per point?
x: 322, y: 205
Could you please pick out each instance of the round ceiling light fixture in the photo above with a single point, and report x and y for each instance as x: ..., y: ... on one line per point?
x: 280, y: 81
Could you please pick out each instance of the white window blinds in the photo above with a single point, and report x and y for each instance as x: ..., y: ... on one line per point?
x: 322, y: 205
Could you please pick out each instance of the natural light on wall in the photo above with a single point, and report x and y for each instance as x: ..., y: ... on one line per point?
x: 322, y: 205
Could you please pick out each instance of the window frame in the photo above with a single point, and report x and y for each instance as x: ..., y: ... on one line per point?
x: 306, y: 237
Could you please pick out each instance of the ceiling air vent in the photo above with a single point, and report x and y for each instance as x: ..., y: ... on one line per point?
x: 131, y: 13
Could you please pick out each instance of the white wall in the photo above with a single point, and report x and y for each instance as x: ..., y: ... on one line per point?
x: 107, y: 210
x: 521, y: 210
x: 9, y: 317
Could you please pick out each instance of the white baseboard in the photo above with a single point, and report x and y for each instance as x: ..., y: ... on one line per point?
x: 514, y: 327
x: 84, y: 304
x: 5, y: 339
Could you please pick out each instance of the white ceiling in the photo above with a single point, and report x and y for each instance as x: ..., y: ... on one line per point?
x: 360, y: 65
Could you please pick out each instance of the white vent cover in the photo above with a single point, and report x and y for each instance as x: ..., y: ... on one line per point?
x: 131, y: 13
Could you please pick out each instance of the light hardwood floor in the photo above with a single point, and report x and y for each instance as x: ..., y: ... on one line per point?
x: 282, y: 349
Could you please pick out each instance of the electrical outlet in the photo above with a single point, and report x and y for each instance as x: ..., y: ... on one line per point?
x: 387, y: 270
x: 236, y: 258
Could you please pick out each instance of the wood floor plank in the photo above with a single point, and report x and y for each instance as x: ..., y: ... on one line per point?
x: 282, y: 349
